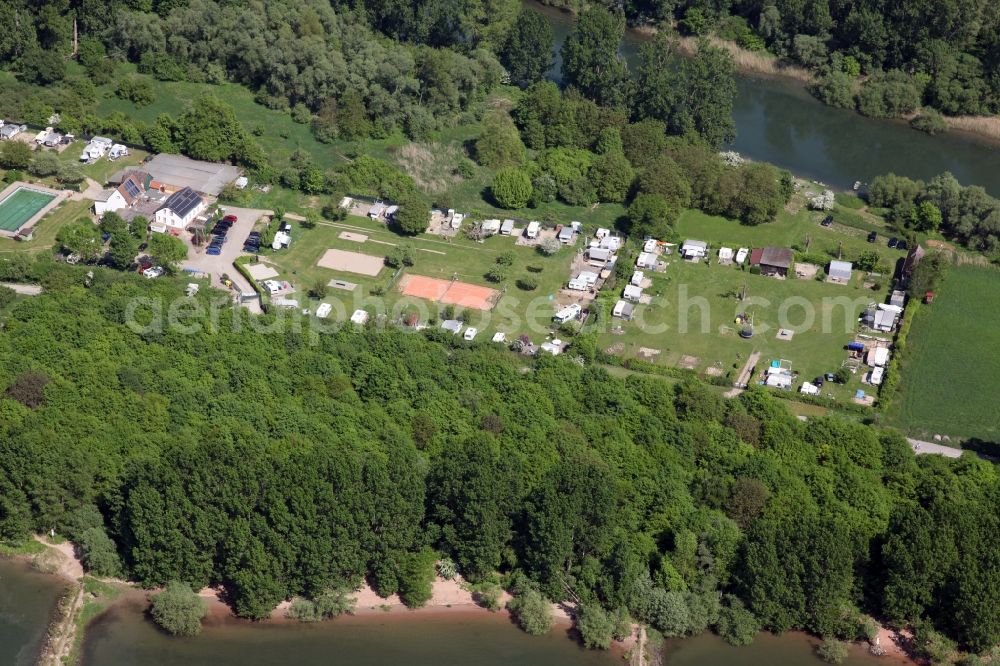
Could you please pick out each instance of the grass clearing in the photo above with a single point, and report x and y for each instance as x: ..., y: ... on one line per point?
x: 693, y: 314
x: 459, y: 258
x: 949, y: 378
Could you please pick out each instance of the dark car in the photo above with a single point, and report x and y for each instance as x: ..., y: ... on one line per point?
x: 220, y: 230
x: 818, y: 381
x: 872, y: 237
x: 827, y: 221
x: 893, y: 242
x: 901, y: 245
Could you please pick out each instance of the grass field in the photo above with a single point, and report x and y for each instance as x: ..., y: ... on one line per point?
x: 434, y: 256
x: 693, y: 314
x: 952, y: 372
x: 20, y: 206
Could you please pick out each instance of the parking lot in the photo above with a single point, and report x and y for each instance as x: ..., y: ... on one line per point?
x: 215, y: 265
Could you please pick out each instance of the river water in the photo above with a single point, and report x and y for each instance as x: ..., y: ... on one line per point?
x: 777, y: 121
x: 27, y: 600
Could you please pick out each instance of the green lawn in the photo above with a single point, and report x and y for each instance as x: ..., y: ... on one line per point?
x: 694, y: 308
x: 466, y: 260
x: 951, y: 374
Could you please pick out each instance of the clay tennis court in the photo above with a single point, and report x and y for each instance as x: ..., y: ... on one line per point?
x: 451, y: 292
x: 351, y: 262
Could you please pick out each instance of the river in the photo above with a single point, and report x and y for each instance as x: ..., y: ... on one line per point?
x: 777, y: 121
x: 27, y: 600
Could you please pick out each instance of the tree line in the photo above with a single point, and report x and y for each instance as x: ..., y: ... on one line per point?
x: 275, y: 464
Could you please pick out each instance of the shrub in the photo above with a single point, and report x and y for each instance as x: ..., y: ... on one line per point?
x: 737, y: 625
x: 832, y: 651
x: 496, y: 273
x: 506, y: 258
x: 930, y: 121
x: 835, y: 89
x: 446, y: 568
x: 550, y: 246
x: 595, y: 625
x: 415, y: 578
x: 889, y: 95
x: 532, y: 611
x: 511, y: 188
x: 487, y: 595
x: 401, y: 255
x: 318, y: 290
x: 99, y: 553
x: 137, y: 90
x: 178, y: 610
x: 527, y: 283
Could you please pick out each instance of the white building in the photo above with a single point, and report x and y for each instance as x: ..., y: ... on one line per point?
x: 123, y: 196
x: 180, y: 210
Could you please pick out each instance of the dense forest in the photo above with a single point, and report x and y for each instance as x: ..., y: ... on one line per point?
x: 942, y: 53
x: 277, y: 462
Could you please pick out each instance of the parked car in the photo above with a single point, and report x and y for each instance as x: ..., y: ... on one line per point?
x: 252, y: 248
x: 872, y: 237
x: 901, y: 245
x: 221, y: 229
x: 231, y: 219
x: 153, y: 272
x: 214, y: 250
x: 827, y: 221
x: 893, y: 242
x: 219, y: 238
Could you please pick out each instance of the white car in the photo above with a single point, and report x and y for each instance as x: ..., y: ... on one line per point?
x: 471, y: 332
x: 153, y: 272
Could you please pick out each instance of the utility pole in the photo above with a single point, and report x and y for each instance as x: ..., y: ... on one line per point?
x: 840, y: 250
x: 76, y: 39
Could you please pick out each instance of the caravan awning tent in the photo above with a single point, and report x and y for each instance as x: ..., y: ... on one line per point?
x: 878, y: 356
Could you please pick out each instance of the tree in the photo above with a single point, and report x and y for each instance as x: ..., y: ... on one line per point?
x: 651, y: 215
x: 99, y: 554
x: 737, y: 625
x: 178, y: 610
x: 15, y: 155
x: 832, y: 651
x: 868, y: 260
x: 590, y: 60
x: 511, y: 188
x: 693, y: 96
x: 499, y: 144
x: 136, y: 89
x: 889, y: 95
x: 42, y: 67
x: 69, y: 173
x: 414, y: 214
x: 82, y: 238
x: 527, y: 51
x: 45, y: 164
x: 532, y: 611
x: 665, y: 178
x: 927, y: 217
x: 209, y: 130
x: 167, y: 250
x: 835, y: 89
x: 416, y: 576
x: 612, y: 176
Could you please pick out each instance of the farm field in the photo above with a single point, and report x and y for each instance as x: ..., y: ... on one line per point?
x: 950, y: 376
x: 436, y: 257
x: 691, y: 321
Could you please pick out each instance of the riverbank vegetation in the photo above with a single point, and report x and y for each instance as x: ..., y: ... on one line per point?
x: 277, y: 464
x: 931, y: 53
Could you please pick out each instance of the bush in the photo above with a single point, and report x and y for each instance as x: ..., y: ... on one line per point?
x: 178, y: 610
x: 527, y: 283
x: 446, y: 568
x: 136, y: 89
x: 532, y: 611
x: 889, y: 95
x: 399, y: 256
x: 497, y: 273
x: 511, y: 188
x: 832, y: 651
x: 835, y: 89
x: 487, y: 595
x: 737, y: 625
x: 327, y: 605
x: 550, y: 246
x: 595, y: 625
x: 506, y: 258
x: 930, y: 121
x: 415, y: 578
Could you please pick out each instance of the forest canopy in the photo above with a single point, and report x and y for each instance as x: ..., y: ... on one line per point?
x: 275, y: 463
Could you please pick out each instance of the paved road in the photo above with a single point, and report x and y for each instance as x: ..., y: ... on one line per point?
x: 216, y: 265
x: 23, y: 289
x: 921, y: 447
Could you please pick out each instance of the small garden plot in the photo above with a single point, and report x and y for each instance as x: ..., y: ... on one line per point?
x: 351, y: 262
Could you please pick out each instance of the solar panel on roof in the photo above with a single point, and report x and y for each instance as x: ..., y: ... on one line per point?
x: 131, y: 188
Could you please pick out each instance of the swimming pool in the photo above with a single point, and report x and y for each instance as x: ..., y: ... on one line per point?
x: 20, y: 206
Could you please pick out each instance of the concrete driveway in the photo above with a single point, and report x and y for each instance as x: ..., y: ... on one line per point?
x: 216, y: 265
